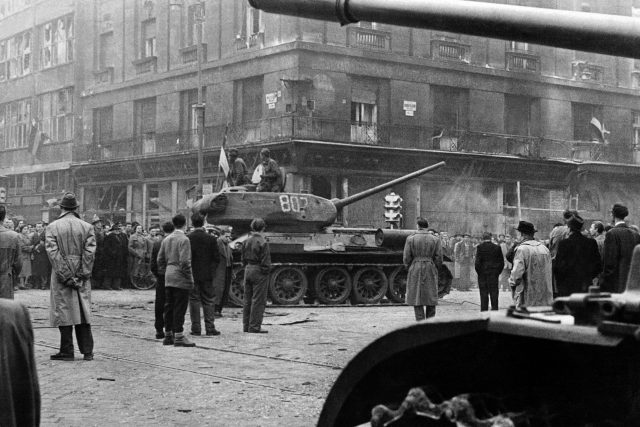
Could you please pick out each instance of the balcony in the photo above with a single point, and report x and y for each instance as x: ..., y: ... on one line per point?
x: 287, y: 128
x: 190, y: 53
x: 585, y: 71
x: 522, y: 61
x: 103, y: 76
x: 247, y: 41
x: 450, y: 50
x: 368, y: 38
x: 146, y: 65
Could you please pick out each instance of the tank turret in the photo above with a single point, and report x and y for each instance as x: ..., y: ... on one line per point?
x: 284, y: 212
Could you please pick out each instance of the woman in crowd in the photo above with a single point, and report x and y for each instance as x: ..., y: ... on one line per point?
x: 25, y: 255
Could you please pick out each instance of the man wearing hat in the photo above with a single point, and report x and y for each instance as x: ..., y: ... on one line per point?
x: 10, y: 262
x: 71, y: 246
x: 530, y: 278
x: 238, y: 169
x: 271, y: 179
x: 577, y: 261
x: 618, y: 248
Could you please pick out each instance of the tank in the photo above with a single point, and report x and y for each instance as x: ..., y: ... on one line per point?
x: 313, y: 260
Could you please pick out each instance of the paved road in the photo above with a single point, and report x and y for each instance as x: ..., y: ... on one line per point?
x: 275, y: 379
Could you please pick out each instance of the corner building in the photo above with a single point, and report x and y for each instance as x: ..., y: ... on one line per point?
x: 526, y: 130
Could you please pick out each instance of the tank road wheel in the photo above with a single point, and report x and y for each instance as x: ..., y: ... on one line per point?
x: 236, y: 290
x: 369, y: 285
x: 332, y: 285
x: 287, y: 285
x: 397, y: 284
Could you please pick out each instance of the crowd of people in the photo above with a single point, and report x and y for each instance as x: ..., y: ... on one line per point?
x: 534, y: 269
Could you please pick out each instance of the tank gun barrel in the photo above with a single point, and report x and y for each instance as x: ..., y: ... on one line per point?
x: 340, y: 203
x: 592, y: 32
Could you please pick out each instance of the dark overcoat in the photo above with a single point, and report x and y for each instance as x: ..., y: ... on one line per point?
x: 204, y: 254
x: 489, y: 259
x: 116, y: 250
x: 423, y: 257
x: 618, y: 248
x: 577, y: 263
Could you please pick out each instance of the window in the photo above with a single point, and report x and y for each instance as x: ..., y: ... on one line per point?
x: 145, y: 124
x: 195, y: 24
x: 7, y: 7
x: 57, y: 42
x: 583, y: 115
x: 252, y: 99
x: 102, y: 125
x: 106, y: 53
x: 55, y: 112
x: 636, y: 130
x: 148, y: 38
x: 518, y: 115
x: 15, y: 122
x: 18, y: 54
x: 3, y: 126
x: 4, y: 59
x: 254, y: 21
x: 450, y: 108
x: 362, y: 113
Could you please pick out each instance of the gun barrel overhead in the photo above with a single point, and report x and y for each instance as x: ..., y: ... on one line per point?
x: 592, y: 32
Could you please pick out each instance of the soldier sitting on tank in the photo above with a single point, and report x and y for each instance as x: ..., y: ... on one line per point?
x: 271, y: 178
x: 238, y: 170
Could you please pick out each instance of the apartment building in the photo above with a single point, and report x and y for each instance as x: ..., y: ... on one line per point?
x: 526, y: 130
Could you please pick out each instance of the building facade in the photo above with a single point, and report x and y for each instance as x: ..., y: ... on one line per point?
x: 526, y: 130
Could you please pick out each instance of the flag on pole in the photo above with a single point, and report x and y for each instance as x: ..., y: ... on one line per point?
x: 36, y: 139
x: 223, y: 163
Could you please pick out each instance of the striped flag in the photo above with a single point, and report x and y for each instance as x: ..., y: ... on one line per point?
x: 223, y: 163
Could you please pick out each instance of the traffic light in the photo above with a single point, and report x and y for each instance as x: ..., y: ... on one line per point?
x: 392, y: 210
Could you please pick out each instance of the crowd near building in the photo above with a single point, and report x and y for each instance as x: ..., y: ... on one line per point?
x: 98, y: 98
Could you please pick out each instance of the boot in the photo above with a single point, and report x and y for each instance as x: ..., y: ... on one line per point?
x: 168, y: 338
x: 182, y: 341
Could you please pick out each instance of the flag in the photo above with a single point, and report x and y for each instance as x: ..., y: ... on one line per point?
x: 36, y: 139
x: 223, y: 163
x: 599, y: 129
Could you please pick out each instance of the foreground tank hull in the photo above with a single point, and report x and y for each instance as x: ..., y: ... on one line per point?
x: 554, y: 374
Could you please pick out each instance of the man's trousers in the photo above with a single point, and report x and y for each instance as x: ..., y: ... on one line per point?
x: 175, y: 308
x: 202, y: 296
x: 255, y: 298
x: 488, y: 285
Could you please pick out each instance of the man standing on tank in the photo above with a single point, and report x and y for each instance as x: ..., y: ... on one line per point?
x: 271, y: 178
x: 238, y: 170
x: 422, y: 257
x: 256, y: 258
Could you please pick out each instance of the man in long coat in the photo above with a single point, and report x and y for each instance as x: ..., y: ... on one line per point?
x: 530, y: 278
x: 71, y: 245
x: 115, y: 258
x: 422, y: 257
x: 618, y: 248
x: 577, y: 261
x: 19, y: 387
x: 10, y: 262
x: 489, y: 264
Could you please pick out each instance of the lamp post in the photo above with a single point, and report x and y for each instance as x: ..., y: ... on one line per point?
x: 199, y: 107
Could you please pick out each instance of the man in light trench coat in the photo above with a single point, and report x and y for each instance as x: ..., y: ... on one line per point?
x: 71, y: 245
x: 423, y: 258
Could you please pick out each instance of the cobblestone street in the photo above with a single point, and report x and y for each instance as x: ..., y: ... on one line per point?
x: 275, y: 379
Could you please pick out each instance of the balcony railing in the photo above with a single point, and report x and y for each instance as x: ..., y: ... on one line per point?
x: 287, y: 128
x: 190, y: 53
x: 450, y: 50
x: 517, y: 60
x: 146, y: 65
x: 104, y: 76
x: 368, y: 38
x: 585, y: 71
